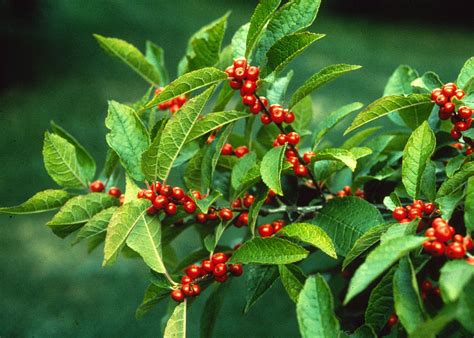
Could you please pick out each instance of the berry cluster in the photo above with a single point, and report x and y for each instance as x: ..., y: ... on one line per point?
x: 167, y: 198
x: 427, y: 287
x: 410, y: 212
x: 291, y: 156
x: 99, y: 186
x: 439, y: 234
x: 462, y: 118
x: 243, y: 203
x: 174, y: 104
x: 240, y: 151
x: 347, y: 191
x: 267, y: 230
x: 215, y: 267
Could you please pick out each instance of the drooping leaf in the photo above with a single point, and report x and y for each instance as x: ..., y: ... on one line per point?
x: 128, y: 137
x: 456, y: 182
x: 176, y: 325
x: 251, y: 178
x: 418, y: 151
x: 96, y: 228
x: 455, y: 275
x: 380, y: 260
x: 448, y: 203
x: 337, y: 154
x: 290, y: 18
x: 454, y: 164
x: 311, y: 234
x: 469, y: 206
x: 42, y: 201
x: 287, y: 48
x: 260, y: 17
x: 315, y: 309
x: 270, y: 250
x: 187, y: 83
x: 79, y: 210
x: 260, y: 279
x: 153, y: 295
x: 176, y: 132
x: 292, y: 279
x: 130, y: 55
x: 205, y: 203
x: 215, y: 121
x: 466, y: 73
x: 408, y: 304
x: 156, y: 56
x: 386, y: 105
x: 111, y: 163
x: 319, y: 79
x: 271, y: 167
x: 346, y: 219
x: 61, y: 162
x: 380, y: 305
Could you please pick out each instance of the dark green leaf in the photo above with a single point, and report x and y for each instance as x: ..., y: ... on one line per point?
x: 277, y: 90
x: 455, y: 275
x: 428, y: 81
x: 153, y: 295
x: 156, y: 56
x: 271, y: 167
x: 260, y: 17
x: 431, y: 327
x: 337, y: 154
x: 380, y: 305
x: 311, y: 234
x: 260, y: 279
x: 466, y: 73
x: 469, y: 206
x: 400, y: 81
x: 303, y: 111
x: 241, y: 168
x: 42, y: 201
x: 456, y: 182
x: 210, y: 313
x: 239, y: 41
x: 96, y: 227
x: 260, y: 197
x: 292, y: 279
x: 215, y: 121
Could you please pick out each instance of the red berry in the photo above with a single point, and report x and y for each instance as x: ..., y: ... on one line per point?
x: 281, y: 138
x: 166, y: 190
x: 443, y: 233
x: 278, y: 115
x: 435, y: 93
x: 277, y: 225
x: 468, y: 244
x: 207, y: 265
x: 193, y: 271
x: 122, y: 199
x: 249, y: 100
x: 341, y: 193
x: 266, y: 119
x: 392, y: 320
x: 242, y: 220
x: 293, y: 138
x: 177, y: 295
x: 171, y: 209
x: 289, y: 117
x: 294, y: 161
x: 248, y: 88
x: 449, y: 108
x: 300, y: 170
x: 160, y: 202
x: 458, y: 238
x: 449, y: 89
x: 196, y: 289
x: 115, y: 192
x: 197, y: 195
x: 230, y: 71
x: 237, y: 203
x: 218, y: 258
x: 240, y: 62
x: 437, y: 248
x: 97, y: 186
x: 443, y: 114
x: 221, y: 279
x: 441, y: 100
x: 427, y: 246
x: 248, y: 200
x: 461, y: 126
x: 201, y: 218
x: 265, y: 230
x: 178, y: 193
x: 239, y: 73
x: 151, y: 210
x: 220, y: 270
x: 189, y: 207
x: 225, y: 214
x: 264, y: 100
x: 469, y: 151
x: 414, y: 213
x: 428, y: 208
x: 465, y: 112
x: 455, y: 250
x: 186, y: 279
x: 141, y: 193
x: 399, y: 213
x: 156, y: 187
x: 211, y: 214
x: 236, y: 269
x: 149, y: 195
x: 307, y: 156
x: 347, y: 189
x: 430, y: 232
x: 426, y: 285
x: 290, y: 153
x: 256, y: 108
x: 174, y: 108
x: 235, y: 84
x: 455, y: 134
x: 405, y: 220
x: 241, y: 151
x: 188, y: 290
x: 459, y: 94
x: 253, y: 73
x: 470, y: 260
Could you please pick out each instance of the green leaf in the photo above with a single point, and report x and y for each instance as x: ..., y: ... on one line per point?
x: 465, y: 310
x: 205, y: 203
x: 456, y: 182
x: 319, y: 79
x: 96, y: 228
x: 79, y: 210
x: 85, y: 160
x: 447, y: 204
x: 260, y: 279
x: 287, y: 48
x: 380, y: 260
x: 153, y: 295
x: 61, y: 162
x: 418, y: 151
x: 380, y: 305
x: 241, y: 168
x: 187, y: 83
x: 42, y: 201
x: 315, y: 309
x: 156, y: 56
x: 408, y: 306
x: 303, y: 111
x: 145, y: 239
x: 346, y: 219
x: 400, y: 81
x: 454, y: 164
x: 337, y: 154
x: 469, y: 206
x: 131, y: 56
x: 431, y: 327
x: 359, y: 138
x: 176, y: 325
x: 364, y: 242
x: 428, y: 81
x: 455, y: 275
x: 192, y: 174
x: 311, y: 234
x: 128, y: 137
x: 400, y: 230
x: 277, y: 90
x: 176, y: 132
x: 111, y: 163
x: 260, y: 17
x: 290, y: 18
x: 332, y: 120
x: 466, y: 73
x: 364, y: 331
x: 214, y: 121
x: 210, y: 313
x: 204, y: 46
x: 292, y: 279
x: 270, y: 250
x: 271, y: 167
x: 388, y: 104
x: 121, y: 225
x: 428, y: 181
x: 260, y: 198
x: 251, y: 178
x: 239, y: 41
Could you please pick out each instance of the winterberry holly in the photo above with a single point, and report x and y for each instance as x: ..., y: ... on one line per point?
x: 97, y: 186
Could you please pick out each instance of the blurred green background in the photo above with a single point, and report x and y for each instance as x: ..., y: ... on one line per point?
x: 54, y: 70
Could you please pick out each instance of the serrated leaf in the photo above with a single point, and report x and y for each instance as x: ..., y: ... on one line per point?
x: 346, y: 219
x: 428, y: 181
x: 211, y: 310
x: 111, y: 162
x: 251, y: 178
x: 454, y: 164
x: 187, y: 83
x: 121, y: 225
x: 270, y: 250
x: 276, y: 92
x: 96, y: 227
x: 260, y: 17
x: 453, y: 184
x: 241, y: 168
x: 336, y: 154
x: 408, y: 306
x: 176, y: 325
x: 359, y: 138
x: 364, y: 242
x: 79, y: 210
x: 205, y: 203
x: 176, y: 132
x: 428, y: 81
x: 332, y: 120
x: 466, y: 73
x: 287, y: 48
x: 239, y: 41
x: 315, y: 309
x: 319, y: 79
x: 448, y: 203
x: 42, y: 201
x: 380, y: 305
x: 400, y: 230
x: 61, y: 162
x: 469, y: 206
x: 380, y: 260
x: 153, y: 295
x: 290, y: 18
x: 386, y: 105
x: 130, y: 55
x: 292, y: 279
x: 156, y: 56
x: 260, y: 279
x: 192, y: 174
x: 311, y: 234
x: 85, y: 160
x: 455, y: 275
x: 254, y: 210
x: 214, y: 121
x: 128, y: 137
x: 303, y: 111
x: 271, y: 167
x: 418, y: 151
